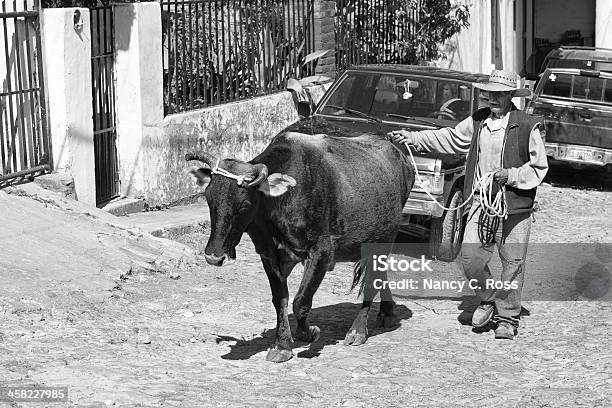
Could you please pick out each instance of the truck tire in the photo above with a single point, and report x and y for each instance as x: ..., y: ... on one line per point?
x: 446, y: 232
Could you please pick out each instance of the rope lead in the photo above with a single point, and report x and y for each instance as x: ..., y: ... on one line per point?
x: 495, y: 206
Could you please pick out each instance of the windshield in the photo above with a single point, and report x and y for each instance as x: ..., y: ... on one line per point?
x: 575, y: 86
x: 398, y: 98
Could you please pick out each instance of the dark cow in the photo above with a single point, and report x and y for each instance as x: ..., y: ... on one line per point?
x: 325, y: 197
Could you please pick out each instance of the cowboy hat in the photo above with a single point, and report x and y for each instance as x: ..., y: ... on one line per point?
x: 503, y: 81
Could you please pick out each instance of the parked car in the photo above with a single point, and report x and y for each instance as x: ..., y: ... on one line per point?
x: 577, y: 108
x: 591, y: 58
x: 381, y: 98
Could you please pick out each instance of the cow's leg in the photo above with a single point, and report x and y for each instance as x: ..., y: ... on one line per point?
x: 386, y: 316
x: 315, y: 268
x: 358, y: 333
x: 277, y: 275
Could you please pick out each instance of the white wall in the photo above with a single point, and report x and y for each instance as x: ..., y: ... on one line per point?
x: 67, y: 62
x: 139, y: 88
x: 473, y: 44
x: 603, y: 24
x: 151, y: 147
x: 509, y: 46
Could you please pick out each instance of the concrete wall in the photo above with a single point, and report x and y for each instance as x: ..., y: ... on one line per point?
x: 151, y: 148
x: 236, y: 130
x: 67, y: 64
x: 138, y: 89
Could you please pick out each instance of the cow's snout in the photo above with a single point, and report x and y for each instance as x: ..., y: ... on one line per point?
x: 216, y: 260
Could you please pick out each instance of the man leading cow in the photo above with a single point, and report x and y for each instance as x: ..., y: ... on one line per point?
x: 505, y: 141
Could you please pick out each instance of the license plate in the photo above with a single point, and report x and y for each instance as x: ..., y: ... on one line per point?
x: 580, y: 154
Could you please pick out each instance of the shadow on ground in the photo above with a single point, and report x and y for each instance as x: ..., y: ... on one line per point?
x: 467, y: 307
x: 333, y: 320
x: 588, y: 178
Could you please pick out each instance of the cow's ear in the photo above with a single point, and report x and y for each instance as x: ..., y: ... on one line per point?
x: 277, y: 184
x: 201, y: 175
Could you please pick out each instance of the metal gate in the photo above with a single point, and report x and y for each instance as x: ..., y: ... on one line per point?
x: 103, y: 100
x: 25, y: 150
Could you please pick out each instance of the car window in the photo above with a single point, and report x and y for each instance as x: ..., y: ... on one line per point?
x: 576, y: 86
x: 558, y: 85
x: 588, y: 88
x: 481, y: 99
x: 386, y: 95
x: 581, y: 87
x: 341, y: 96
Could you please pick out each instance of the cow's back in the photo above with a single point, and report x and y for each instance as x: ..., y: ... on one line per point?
x: 352, y: 189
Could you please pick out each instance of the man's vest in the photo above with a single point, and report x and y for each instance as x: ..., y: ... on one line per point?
x: 515, y: 154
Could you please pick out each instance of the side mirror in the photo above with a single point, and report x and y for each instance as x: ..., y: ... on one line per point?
x: 304, y: 109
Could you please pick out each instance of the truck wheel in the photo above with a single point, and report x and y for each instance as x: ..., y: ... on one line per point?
x: 446, y: 231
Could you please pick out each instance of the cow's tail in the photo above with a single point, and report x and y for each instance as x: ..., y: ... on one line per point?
x: 359, y: 274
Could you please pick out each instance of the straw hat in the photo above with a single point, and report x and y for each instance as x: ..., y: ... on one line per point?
x: 503, y: 81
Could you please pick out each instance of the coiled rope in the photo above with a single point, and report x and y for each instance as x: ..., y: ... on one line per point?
x: 494, y: 205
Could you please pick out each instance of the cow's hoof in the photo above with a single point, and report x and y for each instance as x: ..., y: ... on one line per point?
x: 310, y: 336
x: 279, y: 355
x: 387, y: 321
x: 355, y: 338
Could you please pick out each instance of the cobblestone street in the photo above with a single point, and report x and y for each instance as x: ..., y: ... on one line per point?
x: 133, y: 132
x: 198, y: 335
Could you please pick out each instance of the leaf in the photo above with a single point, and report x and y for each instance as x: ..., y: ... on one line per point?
x: 315, y: 55
x: 294, y: 85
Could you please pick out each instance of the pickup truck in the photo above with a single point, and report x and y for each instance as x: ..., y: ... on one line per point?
x: 577, y: 109
x: 380, y: 98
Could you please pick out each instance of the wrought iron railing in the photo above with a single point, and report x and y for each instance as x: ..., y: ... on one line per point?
x: 24, y: 143
x: 217, y: 51
x: 375, y: 31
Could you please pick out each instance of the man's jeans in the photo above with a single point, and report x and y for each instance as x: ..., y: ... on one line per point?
x: 510, y: 237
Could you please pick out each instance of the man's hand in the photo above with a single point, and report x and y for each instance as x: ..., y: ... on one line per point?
x: 401, y: 136
x: 501, y: 176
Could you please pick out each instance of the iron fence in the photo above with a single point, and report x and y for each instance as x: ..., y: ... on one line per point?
x: 103, y: 103
x: 24, y: 143
x: 217, y: 51
x: 375, y: 31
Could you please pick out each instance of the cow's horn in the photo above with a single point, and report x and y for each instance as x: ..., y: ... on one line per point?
x: 262, y: 174
x: 202, y: 156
